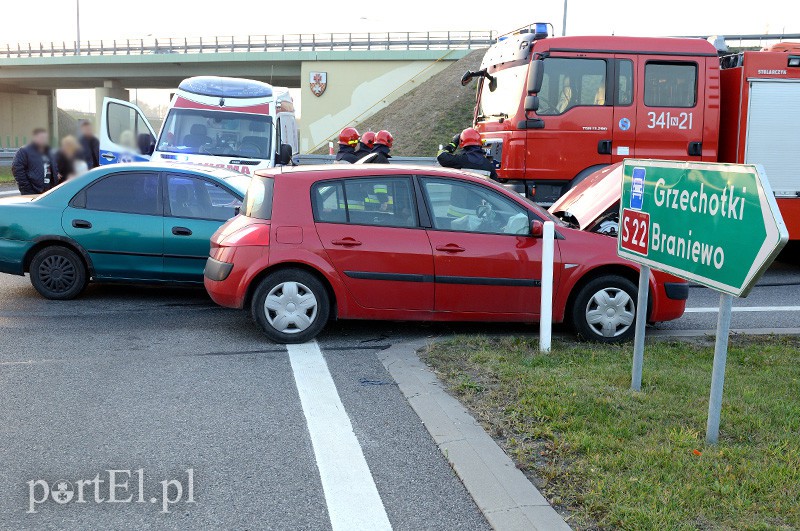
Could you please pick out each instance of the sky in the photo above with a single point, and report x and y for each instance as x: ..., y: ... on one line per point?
x: 55, y: 20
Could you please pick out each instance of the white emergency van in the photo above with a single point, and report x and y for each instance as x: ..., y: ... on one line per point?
x: 234, y: 123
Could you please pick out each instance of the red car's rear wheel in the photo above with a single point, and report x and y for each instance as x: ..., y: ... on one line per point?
x: 291, y: 305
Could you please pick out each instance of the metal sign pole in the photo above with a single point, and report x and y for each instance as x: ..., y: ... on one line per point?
x: 641, y: 323
x: 718, y: 373
x: 546, y: 306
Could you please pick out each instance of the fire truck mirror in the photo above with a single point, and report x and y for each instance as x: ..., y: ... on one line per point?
x: 535, y: 76
x: 531, y: 103
x: 467, y: 77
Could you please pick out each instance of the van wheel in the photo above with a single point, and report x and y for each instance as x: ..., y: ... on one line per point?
x: 605, y: 310
x: 291, y: 305
x: 58, y: 273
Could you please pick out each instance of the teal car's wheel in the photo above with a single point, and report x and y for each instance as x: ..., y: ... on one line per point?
x: 58, y: 273
x: 292, y: 306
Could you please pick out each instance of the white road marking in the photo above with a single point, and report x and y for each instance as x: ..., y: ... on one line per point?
x: 714, y: 309
x: 350, y: 492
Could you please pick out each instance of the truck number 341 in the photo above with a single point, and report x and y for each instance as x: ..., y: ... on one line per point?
x: 667, y: 120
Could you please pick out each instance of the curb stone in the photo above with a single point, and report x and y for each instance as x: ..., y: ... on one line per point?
x: 504, y: 495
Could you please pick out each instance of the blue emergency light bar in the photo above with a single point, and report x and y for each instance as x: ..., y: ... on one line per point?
x: 226, y: 87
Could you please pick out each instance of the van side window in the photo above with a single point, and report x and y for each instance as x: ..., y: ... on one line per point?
x: 624, y: 82
x: 670, y: 84
x: 570, y: 83
x: 125, y: 125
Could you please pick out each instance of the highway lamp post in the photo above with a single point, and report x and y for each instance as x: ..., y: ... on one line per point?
x: 78, y: 27
x: 564, y: 24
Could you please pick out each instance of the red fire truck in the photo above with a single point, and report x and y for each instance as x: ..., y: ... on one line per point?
x: 553, y: 110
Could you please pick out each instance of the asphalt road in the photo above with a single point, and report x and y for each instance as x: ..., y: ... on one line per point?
x: 132, y: 378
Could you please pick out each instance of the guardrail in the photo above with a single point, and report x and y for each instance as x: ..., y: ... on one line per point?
x: 430, y: 40
x: 7, y: 156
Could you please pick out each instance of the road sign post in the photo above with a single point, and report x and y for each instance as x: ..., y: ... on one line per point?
x: 711, y: 223
x: 718, y: 372
x: 641, y: 323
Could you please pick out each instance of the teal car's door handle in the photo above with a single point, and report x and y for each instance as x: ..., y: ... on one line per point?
x: 81, y: 224
x: 181, y: 231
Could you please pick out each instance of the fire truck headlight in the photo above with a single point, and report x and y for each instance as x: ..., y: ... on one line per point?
x: 794, y: 61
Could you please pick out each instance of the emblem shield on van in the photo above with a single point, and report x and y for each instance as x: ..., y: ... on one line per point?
x: 318, y: 82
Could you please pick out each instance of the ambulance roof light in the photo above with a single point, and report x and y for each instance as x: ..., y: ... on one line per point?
x: 226, y: 87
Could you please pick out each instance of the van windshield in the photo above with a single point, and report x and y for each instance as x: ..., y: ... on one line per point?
x: 219, y: 133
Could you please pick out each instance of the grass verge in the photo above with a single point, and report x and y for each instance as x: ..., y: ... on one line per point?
x: 5, y: 175
x: 612, y: 458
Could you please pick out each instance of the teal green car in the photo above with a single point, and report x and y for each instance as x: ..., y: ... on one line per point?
x: 118, y: 223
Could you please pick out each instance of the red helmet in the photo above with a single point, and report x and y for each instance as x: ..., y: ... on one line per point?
x: 470, y: 137
x: 348, y: 136
x: 384, y: 137
x: 368, y: 139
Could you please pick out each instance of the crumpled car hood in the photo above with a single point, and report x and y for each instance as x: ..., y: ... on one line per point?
x: 591, y: 198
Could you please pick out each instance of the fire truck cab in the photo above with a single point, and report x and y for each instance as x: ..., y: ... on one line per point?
x: 552, y: 110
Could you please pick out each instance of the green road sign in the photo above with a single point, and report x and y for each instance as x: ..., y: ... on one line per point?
x: 714, y: 224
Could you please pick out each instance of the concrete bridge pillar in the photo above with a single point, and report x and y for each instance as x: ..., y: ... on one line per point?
x: 23, y: 110
x: 110, y: 89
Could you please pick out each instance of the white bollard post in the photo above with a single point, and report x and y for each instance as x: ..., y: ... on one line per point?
x: 546, y: 306
x: 330, y: 148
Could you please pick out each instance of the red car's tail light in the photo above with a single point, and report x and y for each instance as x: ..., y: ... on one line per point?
x: 256, y: 234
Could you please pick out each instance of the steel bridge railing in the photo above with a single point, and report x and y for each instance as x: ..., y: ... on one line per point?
x: 305, y: 42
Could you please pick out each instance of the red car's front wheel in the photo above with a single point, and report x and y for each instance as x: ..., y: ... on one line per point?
x: 291, y: 305
x: 605, y: 310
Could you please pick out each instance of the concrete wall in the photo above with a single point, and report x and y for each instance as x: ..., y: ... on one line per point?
x: 355, y: 91
x: 19, y: 114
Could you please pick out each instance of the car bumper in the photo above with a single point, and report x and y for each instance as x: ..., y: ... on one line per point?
x: 676, y: 291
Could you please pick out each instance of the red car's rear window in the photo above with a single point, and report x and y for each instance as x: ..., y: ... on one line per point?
x: 258, y: 199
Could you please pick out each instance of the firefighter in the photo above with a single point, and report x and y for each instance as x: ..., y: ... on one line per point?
x: 365, y: 145
x: 472, y: 156
x: 348, y: 139
x: 383, y: 144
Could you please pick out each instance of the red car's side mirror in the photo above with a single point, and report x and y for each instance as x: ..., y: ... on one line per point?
x: 537, y: 228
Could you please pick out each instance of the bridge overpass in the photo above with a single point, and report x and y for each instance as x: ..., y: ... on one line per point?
x: 365, y: 72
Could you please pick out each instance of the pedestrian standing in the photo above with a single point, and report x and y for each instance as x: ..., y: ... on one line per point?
x: 32, y: 167
x: 348, y: 139
x: 68, y: 160
x: 472, y: 156
x: 365, y: 145
x: 90, y: 145
x: 383, y: 145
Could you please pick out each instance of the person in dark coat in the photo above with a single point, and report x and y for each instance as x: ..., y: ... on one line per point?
x: 383, y: 145
x: 348, y: 139
x: 32, y: 167
x: 472, y: 156
x: 90, y: 145
x: 365, y: 145
x: 68, y: 159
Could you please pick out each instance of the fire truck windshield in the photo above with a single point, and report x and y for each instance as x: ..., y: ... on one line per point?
x: 505, y: 100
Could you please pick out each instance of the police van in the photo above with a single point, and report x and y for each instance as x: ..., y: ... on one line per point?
x: 234, y: 123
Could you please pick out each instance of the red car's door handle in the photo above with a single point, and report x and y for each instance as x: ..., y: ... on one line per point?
x: 450, y: 248
x: 347, y: 242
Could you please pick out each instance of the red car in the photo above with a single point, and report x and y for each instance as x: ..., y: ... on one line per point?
x: 416, y: 243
